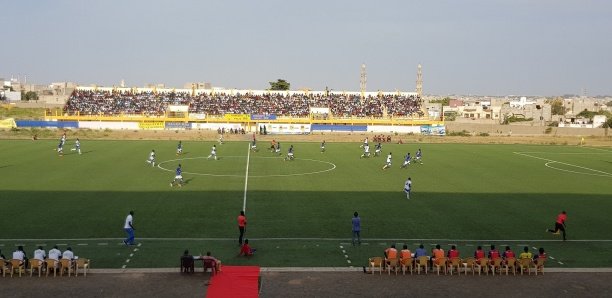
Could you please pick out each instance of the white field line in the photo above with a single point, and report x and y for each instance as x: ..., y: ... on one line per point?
x: 600, y: 149
x: 551, y: 161
x: 332, y: 167
x: 390, y: 240
x: 246, y: 177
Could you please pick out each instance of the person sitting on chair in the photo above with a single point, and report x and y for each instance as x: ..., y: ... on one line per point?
x: 211, y: 262
x: 187, y: 262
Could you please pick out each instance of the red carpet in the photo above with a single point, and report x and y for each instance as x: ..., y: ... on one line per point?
x: 235, y: 281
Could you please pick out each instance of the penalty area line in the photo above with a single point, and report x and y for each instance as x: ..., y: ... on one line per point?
x: 246, y: 178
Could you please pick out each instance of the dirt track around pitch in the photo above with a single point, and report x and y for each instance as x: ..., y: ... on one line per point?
x: 315, y: 284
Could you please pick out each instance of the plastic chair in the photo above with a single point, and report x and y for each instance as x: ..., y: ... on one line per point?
x: 525, y: 264
x: 212, y: 264
x: 468, y: 263
x: 422, y: 261
x: 376, y: 262
x: 440, y: 263
x: 17, y: 265
x: 52, y: 265
x: 482, y: 265
x: 187, y: 264
x: 392, y: 264
x: 81, y: 263
x: 36, y: 264
x: 454, y: 263
x: 496, y: 264
x: 4, y: 267
x: 66, y: 265
x: 510, y: 263
x: 539, y: 265
x: 407, y: 263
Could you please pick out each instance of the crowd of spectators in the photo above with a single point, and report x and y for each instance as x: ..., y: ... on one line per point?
x: 87, y: 102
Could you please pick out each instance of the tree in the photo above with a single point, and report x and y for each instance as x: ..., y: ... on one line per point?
x: 30, y: 95
x: 280, y: 84
x: 557, y: 106
x: 609, y: 103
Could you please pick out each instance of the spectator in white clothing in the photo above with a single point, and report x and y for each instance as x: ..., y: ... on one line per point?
x: 20, y: 255
x: 40, y: 254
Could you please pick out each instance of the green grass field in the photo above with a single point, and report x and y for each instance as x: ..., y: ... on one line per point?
x: 299, y: 212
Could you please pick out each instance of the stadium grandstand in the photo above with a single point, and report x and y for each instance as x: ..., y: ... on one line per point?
x: 150, y: 102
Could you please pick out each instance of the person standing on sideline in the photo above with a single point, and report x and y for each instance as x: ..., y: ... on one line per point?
x: 356, y: 228
x: 241, y: 226
x: 559, y: 224
x: 408, y: 187
x: 129, y: 229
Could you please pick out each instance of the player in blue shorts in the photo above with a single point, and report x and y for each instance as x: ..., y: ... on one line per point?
x: 323, y: 146
x: 60, y: 148
x: 406, y: 161
x: 289, y: 153
x: 178, y: 178
x: 378, y: 149
x: 417, y: 156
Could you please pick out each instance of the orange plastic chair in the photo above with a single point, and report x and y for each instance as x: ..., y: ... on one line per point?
x: 510, y: 263
x: 81, y: 263
x: 454, y: 263
x: 525, y: 264
x: 66, y: 265
x: 407, y: 263
x: 422, y: 262
x: 52, y: 266
x: 376, y: 263
x: 482, y: 265
x: 17, y: 265
x: 4, y: 267
x: 469, y: 263
x: 496, y: 265
x: 392, y: 265
x: 539, y: 265
x: 440, y: 263
x: 36, y: 264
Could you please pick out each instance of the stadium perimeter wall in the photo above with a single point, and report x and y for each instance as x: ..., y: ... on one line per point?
x: 499, y: 129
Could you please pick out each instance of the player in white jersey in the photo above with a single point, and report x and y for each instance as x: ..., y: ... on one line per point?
x: 378, y: 149
x: 289, y: 153
x: 151, y: 159
x: 366, y: 152
x: 365, y: 143
x: 77, y: 146
x: 179, y: 148
x: 213, y: 152
x: 408, y: 187
x: 388, y: 164
x: 418, y: 155
x: 220, y: 140
x: 406, y: 161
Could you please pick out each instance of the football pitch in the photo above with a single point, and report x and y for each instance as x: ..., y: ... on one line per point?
x: 299, y: 212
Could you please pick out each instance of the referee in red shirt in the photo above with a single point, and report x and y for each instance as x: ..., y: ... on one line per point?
x: 241, y: 226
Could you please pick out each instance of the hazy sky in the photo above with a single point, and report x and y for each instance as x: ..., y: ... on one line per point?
x: 487, y: 47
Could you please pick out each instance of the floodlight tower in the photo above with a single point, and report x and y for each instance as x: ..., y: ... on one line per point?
x: 364, y: 79
x: 419, y: 82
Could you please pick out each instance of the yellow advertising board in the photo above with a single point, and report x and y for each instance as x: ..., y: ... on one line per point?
x: 8, y: 123
x: 237, y: 117
x: 151, y: 125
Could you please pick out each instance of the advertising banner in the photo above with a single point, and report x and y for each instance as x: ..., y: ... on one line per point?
x: 177, y: 125
x: 433, y: 130
x: 237, y: 117
x: 151, y: 125
x: 285, y: 129
x: 8, y: 123
x: 263, y: 117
